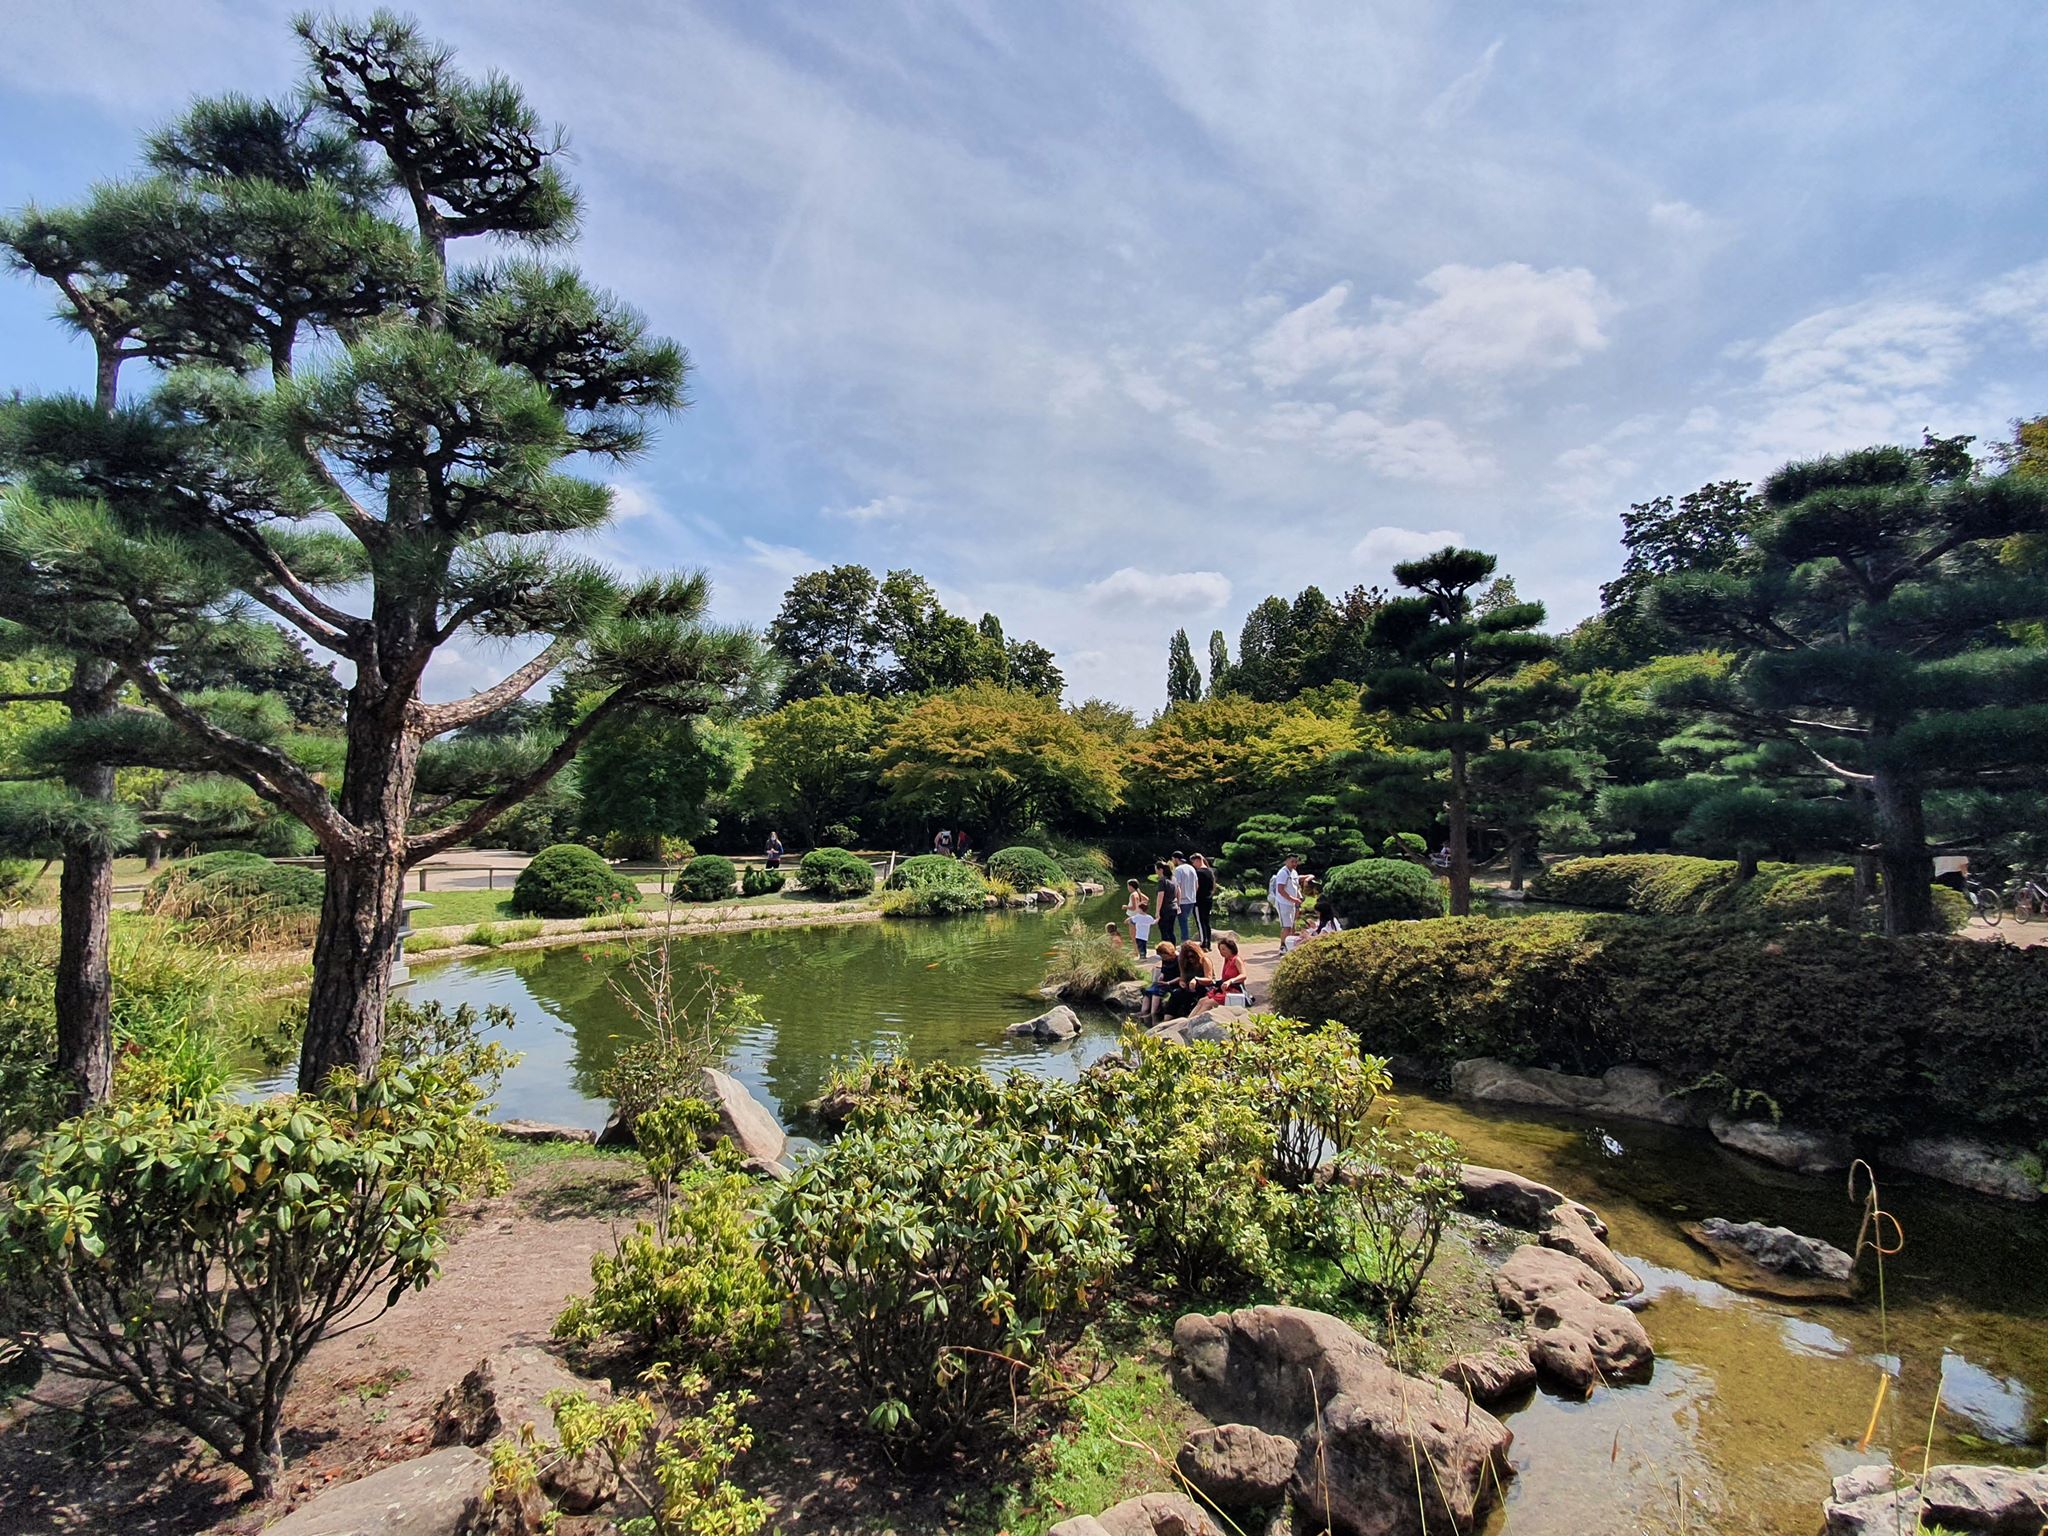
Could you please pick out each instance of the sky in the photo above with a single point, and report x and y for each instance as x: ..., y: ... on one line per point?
x: 1115, y: 318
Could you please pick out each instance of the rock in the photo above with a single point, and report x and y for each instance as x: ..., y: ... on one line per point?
x: 505, y: 1392
x: 1494, y: 1375
x: 1046, y: 896
x: 540, y: 1130
x: 1360, y: 1423
x: 834, y: 1107
x: 1060, y: 1023
x: 1089, y: 888
x: 1078, y: 1525
x: 1174, y: 1032
x: 616, y: 1133
x: 1558, y: 1222
x: 1238, y: 1466
x: 1577, y: 1336
x: 1973, y: 1501
x: 1569, y: 1232
x: 1125, y: 996
x: 2006, y: 1173
x: 743, y: 1119
x: 1788, y: 1146
x: 443, y: 1493
x: 1206, y: 1029
x: 1625, y: 1093
x: 1157, y: 1514
x: 1775, y: 1261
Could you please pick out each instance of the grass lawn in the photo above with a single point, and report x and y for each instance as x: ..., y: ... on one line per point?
x: 467, y: 908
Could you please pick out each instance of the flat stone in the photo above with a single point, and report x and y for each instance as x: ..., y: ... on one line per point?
x: 1568, y: 1232
x: 1493, y: 1375
x: 1125, y: 996
x: 443, y: 1493
x: 1060, y: 1023
x: 1623, y: 1093
x: 506, y: 1393
x: 1175, y: 1033
x: 1577, y: 1337
x: 540, y: 1131
x: 1046, y: 896
x: 2004, y: 1173
x: 1088, y: 888
x: 743, y: 1119
x: 1775, y: 1261
x: 1517, y: 1201
x: 1207, y: 1030
x: 1238, y: 1466
x: 1158, y: 1514
x: 1972, y: 1501
x: 1787, y: 1146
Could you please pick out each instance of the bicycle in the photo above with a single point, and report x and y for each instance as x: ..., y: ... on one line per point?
x: 1984, y: 902
x: 2029, y: 897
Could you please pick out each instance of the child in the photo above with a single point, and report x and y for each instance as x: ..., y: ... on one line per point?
x: 1169, y: 973
x: 1138, y: 913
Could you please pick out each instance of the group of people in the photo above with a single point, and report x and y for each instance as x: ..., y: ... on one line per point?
x: 954, y: 845
x: 1190, y: 980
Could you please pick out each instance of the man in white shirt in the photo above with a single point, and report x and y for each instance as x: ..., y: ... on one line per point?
x: 1284, y: 890
x: 1187, y: 886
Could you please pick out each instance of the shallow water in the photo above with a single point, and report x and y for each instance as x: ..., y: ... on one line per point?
x: 1754, y: 1404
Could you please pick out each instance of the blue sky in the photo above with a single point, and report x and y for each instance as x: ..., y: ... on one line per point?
x: 1113, y: 318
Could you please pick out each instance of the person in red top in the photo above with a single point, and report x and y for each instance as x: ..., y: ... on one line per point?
x: 1228, y: 982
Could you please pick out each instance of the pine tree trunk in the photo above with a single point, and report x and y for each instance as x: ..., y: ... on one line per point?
x: 1745, y: 864
x: 1461, y: 854
x: 1902, y: 855
x: 85, y: 899
x: 1865, y: 867
x: 1516, y: 845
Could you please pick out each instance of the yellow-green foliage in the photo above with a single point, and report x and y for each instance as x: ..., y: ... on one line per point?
x: 1679, y: 885
x: 673, y: 1467
x: 1087, y: 962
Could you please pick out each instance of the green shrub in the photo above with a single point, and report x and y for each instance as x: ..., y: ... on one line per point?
x: 675, y: 1468
x: 193, y: 1255
x: 932, y: 885
x: 942, y: 1261
x: 240, y: 897
x: 762, y: 882
x: 18, y: 881
x: 707, y: 877
x: 1028, y: 869
x: 570, y: 880
x: 838, y: 834
x: 191, y: 870
x: 1382, y: 890
x: 1412, y: 846
x: 1082, y: 861
x: 1678, y: 885
x: 1397, y: 1190
x: 835, y: 873
x: 1314, y: 1086
x: 1087, y: 963
x: 923, y: 870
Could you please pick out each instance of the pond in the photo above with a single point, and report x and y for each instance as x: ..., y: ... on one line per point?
x: 1754, y: 1404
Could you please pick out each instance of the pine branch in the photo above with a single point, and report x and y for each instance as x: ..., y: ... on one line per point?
x: 490, y: 809
x: 321, y: 621
x: 57, y: 697
x: 439, y: 719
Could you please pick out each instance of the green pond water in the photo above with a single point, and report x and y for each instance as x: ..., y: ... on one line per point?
x: 1754, y: 1403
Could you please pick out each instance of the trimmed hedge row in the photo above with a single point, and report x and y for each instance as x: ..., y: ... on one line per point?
x: 1870, y: 1036
x: 1679, y: 885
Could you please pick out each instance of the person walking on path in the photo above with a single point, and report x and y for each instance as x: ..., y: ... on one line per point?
x: 1139, y: 916
x: 1187, y: 886
x: 1284, y: 889
x: 774, y: 850
x: 1205, y: 898
x: 960, y: 844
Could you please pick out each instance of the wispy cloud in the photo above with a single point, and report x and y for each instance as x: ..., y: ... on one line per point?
x: 1189, y: 591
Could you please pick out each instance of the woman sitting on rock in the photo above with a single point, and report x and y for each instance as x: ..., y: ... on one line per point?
x: 1229, y: 982
x: 1192, y: 984
x: 1169, y: 973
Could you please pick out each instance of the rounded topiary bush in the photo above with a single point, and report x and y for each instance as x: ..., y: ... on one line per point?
x: 175, y: 881
x: 929, y: 869
x: 1027, y: 869
x: 1382, y: 890
x: 836, y: 873
x: 570, y: 880
x: 762, y: 882
x: 932, y: 885
x: 707, y: 877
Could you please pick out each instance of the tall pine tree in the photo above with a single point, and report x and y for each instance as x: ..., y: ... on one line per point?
x: 1183, y: 678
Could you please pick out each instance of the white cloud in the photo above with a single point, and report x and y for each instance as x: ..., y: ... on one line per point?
x: 882, y: 509
x: 1382, y: 548
x: 1423, y: 449
x: 1131, y: 587
x: 783, y: 561
x: 1678, y: 217
x: 630, y: 499
x: 2020, y: 296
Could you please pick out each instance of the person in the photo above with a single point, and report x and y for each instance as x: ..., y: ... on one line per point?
x: 1205, y: 898
x: 1442, y: 860
x: 1191, y: 982
x: 1163, y: 905
x: 1229, y: 980
x: 774, y: 850
x: 1186, y: 886
x: 1169, y: 973
x: 943, y: 843
x: 960, y: 844
x: 1139, y: 916
x: 1284, y: 891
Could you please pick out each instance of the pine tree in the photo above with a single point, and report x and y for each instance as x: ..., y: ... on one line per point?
x: 1875, y: 629
x: 1183, y: 678
x: 399, y: 491
x: 1448, y: 653
x: 1219, y: 664
x: 1531, y: 784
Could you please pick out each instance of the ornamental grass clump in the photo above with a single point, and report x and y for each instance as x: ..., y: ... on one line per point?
x: 945, y: 1263
x: 932, y: 885
x: 1088, y: 963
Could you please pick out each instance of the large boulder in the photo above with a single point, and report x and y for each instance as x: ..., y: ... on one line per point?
x: 1125, y: 996
x: 1238, y: 1466
x: 1775, y: 1261
x: 1620, y: 1093
x: 1360, y: 1423
x: 505, y: 1394
x: 1150, y: 1514
x: 1558, y: 1222
x: 443, y: 1493
x: 2005, y: 1173
x: 1971, y: 1501
x: 1060, y: 1023
x: 743, y: 1119
x: 1494, y: 1375
x: 1788, y: 1146
x: 1577, y: 1337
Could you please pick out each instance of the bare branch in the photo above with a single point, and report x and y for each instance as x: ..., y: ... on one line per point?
x: 438, y: 719
x: 57, y: 697
x: 331, y: 627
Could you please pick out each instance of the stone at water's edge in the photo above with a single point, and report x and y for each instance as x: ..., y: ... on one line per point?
x: 743, y: 1119
x: 1972, y: 1501
x: 1577, y: 1336
x: 1060, y: 1023
x: 1494, y: 1375
x: 1150, y: 1514
x: 1125, y: 996
x: 1627, y: 1093
x: 504, y: 1394
x: 1238, y: 1466
x: 1360, y: 1423
x: 540, y: 1131
x: 1788, y: 1146
x: 2005, y: 1173
x: 1558, y: 1222
x: 1775, y: 1261
x: 443, y: 1493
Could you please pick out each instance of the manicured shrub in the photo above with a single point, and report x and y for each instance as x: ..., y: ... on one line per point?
x: 1028, y: 869
x: 1382, y: 890
x: 240, y: 896
x: 838, y: 834
x: 707, y: 877
x: 193, y: 1255
x: 1087, y: 963
x: 1405, y: 845
x: 836, y: 873
x: 942, y: 1262
x: 932, y: 885
x: 762, y: 882
x: 570, y: 880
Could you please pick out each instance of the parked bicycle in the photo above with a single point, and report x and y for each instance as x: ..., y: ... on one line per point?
x: 2028, y: 897
x: 1984, y: 902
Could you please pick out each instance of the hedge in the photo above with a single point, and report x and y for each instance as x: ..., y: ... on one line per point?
x: 762, y: 882
x: 835, y: 872
x: 707, y: 877
x: 1679, y: 885
x: 1028, y: 869
x: 933, y: 885
x: 570, y: 880
x: 1382, y: 890
x: 1850, y: 1031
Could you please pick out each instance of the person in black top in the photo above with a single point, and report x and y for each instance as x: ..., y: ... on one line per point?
x: 1169, y: 973
x: 1205, y: 898
x: 774, y: 850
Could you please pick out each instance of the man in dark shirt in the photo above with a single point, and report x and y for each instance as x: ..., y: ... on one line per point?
x: 1205, y: 898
